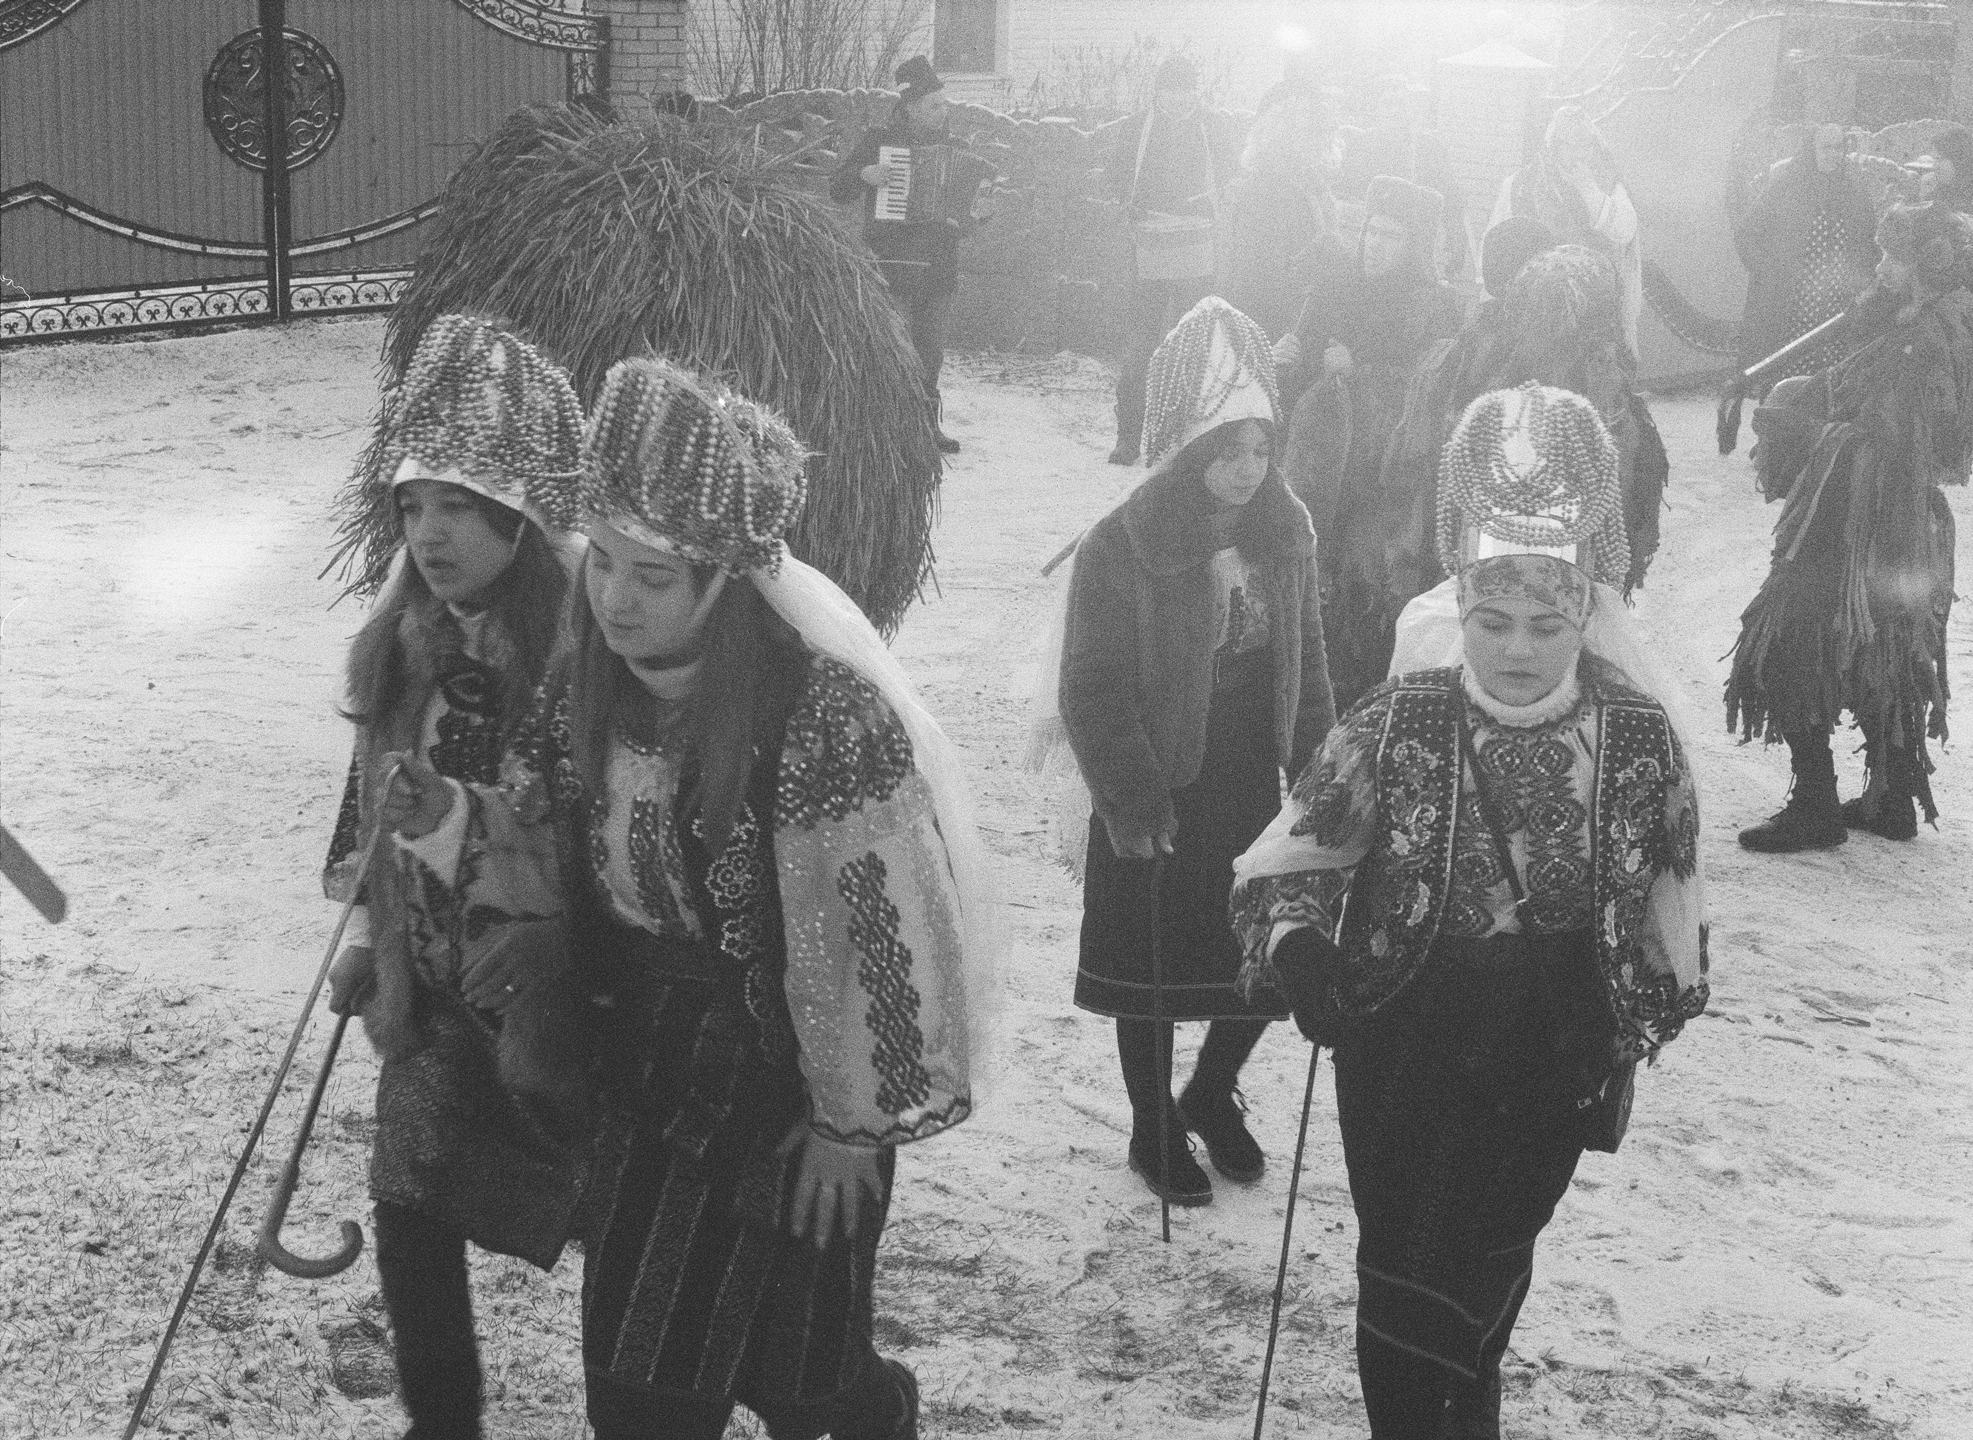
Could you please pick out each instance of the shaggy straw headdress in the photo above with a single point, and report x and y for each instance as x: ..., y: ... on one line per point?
x: 477, y: 407
x: 695, y: 242
x: 682, y: 463
x: 1215, y: 367
x: 1534, y: 468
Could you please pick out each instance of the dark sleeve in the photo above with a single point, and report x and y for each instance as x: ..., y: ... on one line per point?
x: 1316, y: 712
x: 848, y: 187
x: 1101, y: 708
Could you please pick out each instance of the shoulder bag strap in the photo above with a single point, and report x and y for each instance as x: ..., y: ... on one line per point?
x: 1490, y: 815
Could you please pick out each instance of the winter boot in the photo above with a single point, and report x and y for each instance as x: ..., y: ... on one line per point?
x: 1185, y: 1183
x: 1811, y: 820
x: 1219, y: 1117
x: 1474, y: 1413
x: 1895, y: 817
x: 907, y: 1385
x: 1124, y: 454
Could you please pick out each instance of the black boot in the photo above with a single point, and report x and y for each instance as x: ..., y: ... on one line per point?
x: 421, y: 1263
x: 1214, y: 1108
x: 1889, y: 803
x: 1183, y: 1183
x: 1811, y: 820
x: 1895, y: 817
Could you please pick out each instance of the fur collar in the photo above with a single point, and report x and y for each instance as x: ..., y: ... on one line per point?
x: 1168, y: 520
x: 1553, y: 706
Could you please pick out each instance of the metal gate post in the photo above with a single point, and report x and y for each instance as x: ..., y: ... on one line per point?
x: 275, y: 216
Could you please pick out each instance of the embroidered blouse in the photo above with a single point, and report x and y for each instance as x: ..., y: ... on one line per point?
x: 871, y: 973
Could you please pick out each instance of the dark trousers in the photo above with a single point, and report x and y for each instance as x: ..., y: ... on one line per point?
x: 421, y: 1265
x: 870, y: 1409
x: 928, y: 315
x: 1144, y: 1047
x: 1151, y: 309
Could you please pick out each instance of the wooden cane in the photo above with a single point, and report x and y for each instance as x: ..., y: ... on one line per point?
x: 269, y: 1246
x: 1158, y: 1038
x: 1287, y: 1231
x: 30, y: 879
x: 259, y: 1125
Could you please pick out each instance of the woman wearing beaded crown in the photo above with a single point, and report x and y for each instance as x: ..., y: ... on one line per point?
x: 1191, y: 672
x: 446, y: 512
x: 1516, y: 837
x: 757, y: 842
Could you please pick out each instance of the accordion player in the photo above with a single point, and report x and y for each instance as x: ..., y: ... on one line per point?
x: 927, y: 185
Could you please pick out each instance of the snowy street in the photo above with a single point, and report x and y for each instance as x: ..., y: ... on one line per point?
x: 1783, y: 1247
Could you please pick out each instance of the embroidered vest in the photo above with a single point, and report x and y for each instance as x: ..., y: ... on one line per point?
x: 1400, y: 890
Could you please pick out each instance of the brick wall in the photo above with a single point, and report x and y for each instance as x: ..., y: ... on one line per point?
x: 647, y: 50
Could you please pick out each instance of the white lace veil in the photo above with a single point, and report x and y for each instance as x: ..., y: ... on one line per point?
x: 830, y: 624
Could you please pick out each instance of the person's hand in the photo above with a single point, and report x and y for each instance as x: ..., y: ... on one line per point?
x: 833, y: 1182
x: 352, y: 980
x: 419, y: 799
x: 876, y: 176
x: 517, y: 957
x: 1337, y: 360
x: 1288, y: 350
x: 1307, y: 962
x: 1142, y: 847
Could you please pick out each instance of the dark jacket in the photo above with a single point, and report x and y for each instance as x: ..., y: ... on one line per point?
x: 917, y: 260
x: 1186, y: 165
x: 1773, y: 241
x: 1137, y: 655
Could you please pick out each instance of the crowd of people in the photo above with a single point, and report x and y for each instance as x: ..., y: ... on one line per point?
x: 678, y: 924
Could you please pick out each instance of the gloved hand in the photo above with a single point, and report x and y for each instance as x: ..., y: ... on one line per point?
x: 1308, y: 963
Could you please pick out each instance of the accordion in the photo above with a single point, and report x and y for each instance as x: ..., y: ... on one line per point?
x: 929, y: 185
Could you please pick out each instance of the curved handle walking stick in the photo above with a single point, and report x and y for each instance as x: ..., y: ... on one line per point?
x: 269, y: 1246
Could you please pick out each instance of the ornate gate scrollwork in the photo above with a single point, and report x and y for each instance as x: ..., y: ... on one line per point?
x: 236, y: 99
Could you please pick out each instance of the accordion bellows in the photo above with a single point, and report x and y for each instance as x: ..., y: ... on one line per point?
x: 678, y: 461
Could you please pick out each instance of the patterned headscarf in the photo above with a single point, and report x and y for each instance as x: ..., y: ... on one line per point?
x: 1548, y: 580
x: 1536, y: 468
x: 1215, y: 367
x: 678, y: 461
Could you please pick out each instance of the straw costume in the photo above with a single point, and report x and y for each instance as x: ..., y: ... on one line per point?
x: 1555, y: 323
x: 1852, y: 615
x: 813, y: 962
x: 1488, y: 910
x: 1335, y: 446
x: 455, y: 1157
x: 689, y: 239
x: 1191, y: 670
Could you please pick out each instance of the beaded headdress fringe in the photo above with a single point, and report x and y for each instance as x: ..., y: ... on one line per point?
x: 475, y: 399
x: 678, y: 460
x: 1196, y: 375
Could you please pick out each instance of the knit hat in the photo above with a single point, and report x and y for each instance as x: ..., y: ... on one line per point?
x: 477, y: 407
x: 1409, y: 204
x: 916, y: 79
x: 1215, y: 367
x: 1533, y: 467
x: 677, y: 461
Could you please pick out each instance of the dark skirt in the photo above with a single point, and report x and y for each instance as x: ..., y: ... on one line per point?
x: 1457, y: 1107
x: 691, y: 1286
x: 1219, y: 815
x: 452, y: 1144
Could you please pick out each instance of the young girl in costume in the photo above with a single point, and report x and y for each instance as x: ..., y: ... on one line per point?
x: 447, y: 507
x: 1191, y: 672
x: 756, y: 841
x: 1485, y: 894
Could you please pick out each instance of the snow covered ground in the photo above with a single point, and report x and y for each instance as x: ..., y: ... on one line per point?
x: 1784, y: 1247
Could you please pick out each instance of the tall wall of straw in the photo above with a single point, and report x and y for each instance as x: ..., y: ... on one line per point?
x: 601, y: 241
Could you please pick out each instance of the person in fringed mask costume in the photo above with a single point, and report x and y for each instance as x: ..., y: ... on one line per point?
x: 1189, y: 672
x: 1485, y: 895
x: 1853, y: 613
x: 452, y: 509
x: 756, y: 845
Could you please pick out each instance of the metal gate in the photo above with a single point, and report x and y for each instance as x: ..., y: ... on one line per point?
x: 139, y: 188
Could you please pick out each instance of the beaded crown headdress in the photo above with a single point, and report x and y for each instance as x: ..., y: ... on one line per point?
x: 1532, y: 469
x: 1215, y: 367
x: 477, y: 407
x: 680, y: 462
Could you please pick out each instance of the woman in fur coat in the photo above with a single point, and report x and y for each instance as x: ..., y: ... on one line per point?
x: 444, y: 668
x: 1192, y: 671
x: 757, y: 846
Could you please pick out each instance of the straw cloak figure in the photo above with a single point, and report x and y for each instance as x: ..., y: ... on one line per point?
x: 1485, y: 894
x: 1190, y: 672
x: 760, y: 848
x: 1852, y: 615
x: 457, y: 496
x: 687, y: 238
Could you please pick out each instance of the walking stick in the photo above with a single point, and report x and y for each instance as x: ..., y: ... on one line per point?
x: 259, y: 1125
x: 269, y: 1246
x: 30, y: 879
x: 1287, y: 1230
x: 1158, y: 1038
